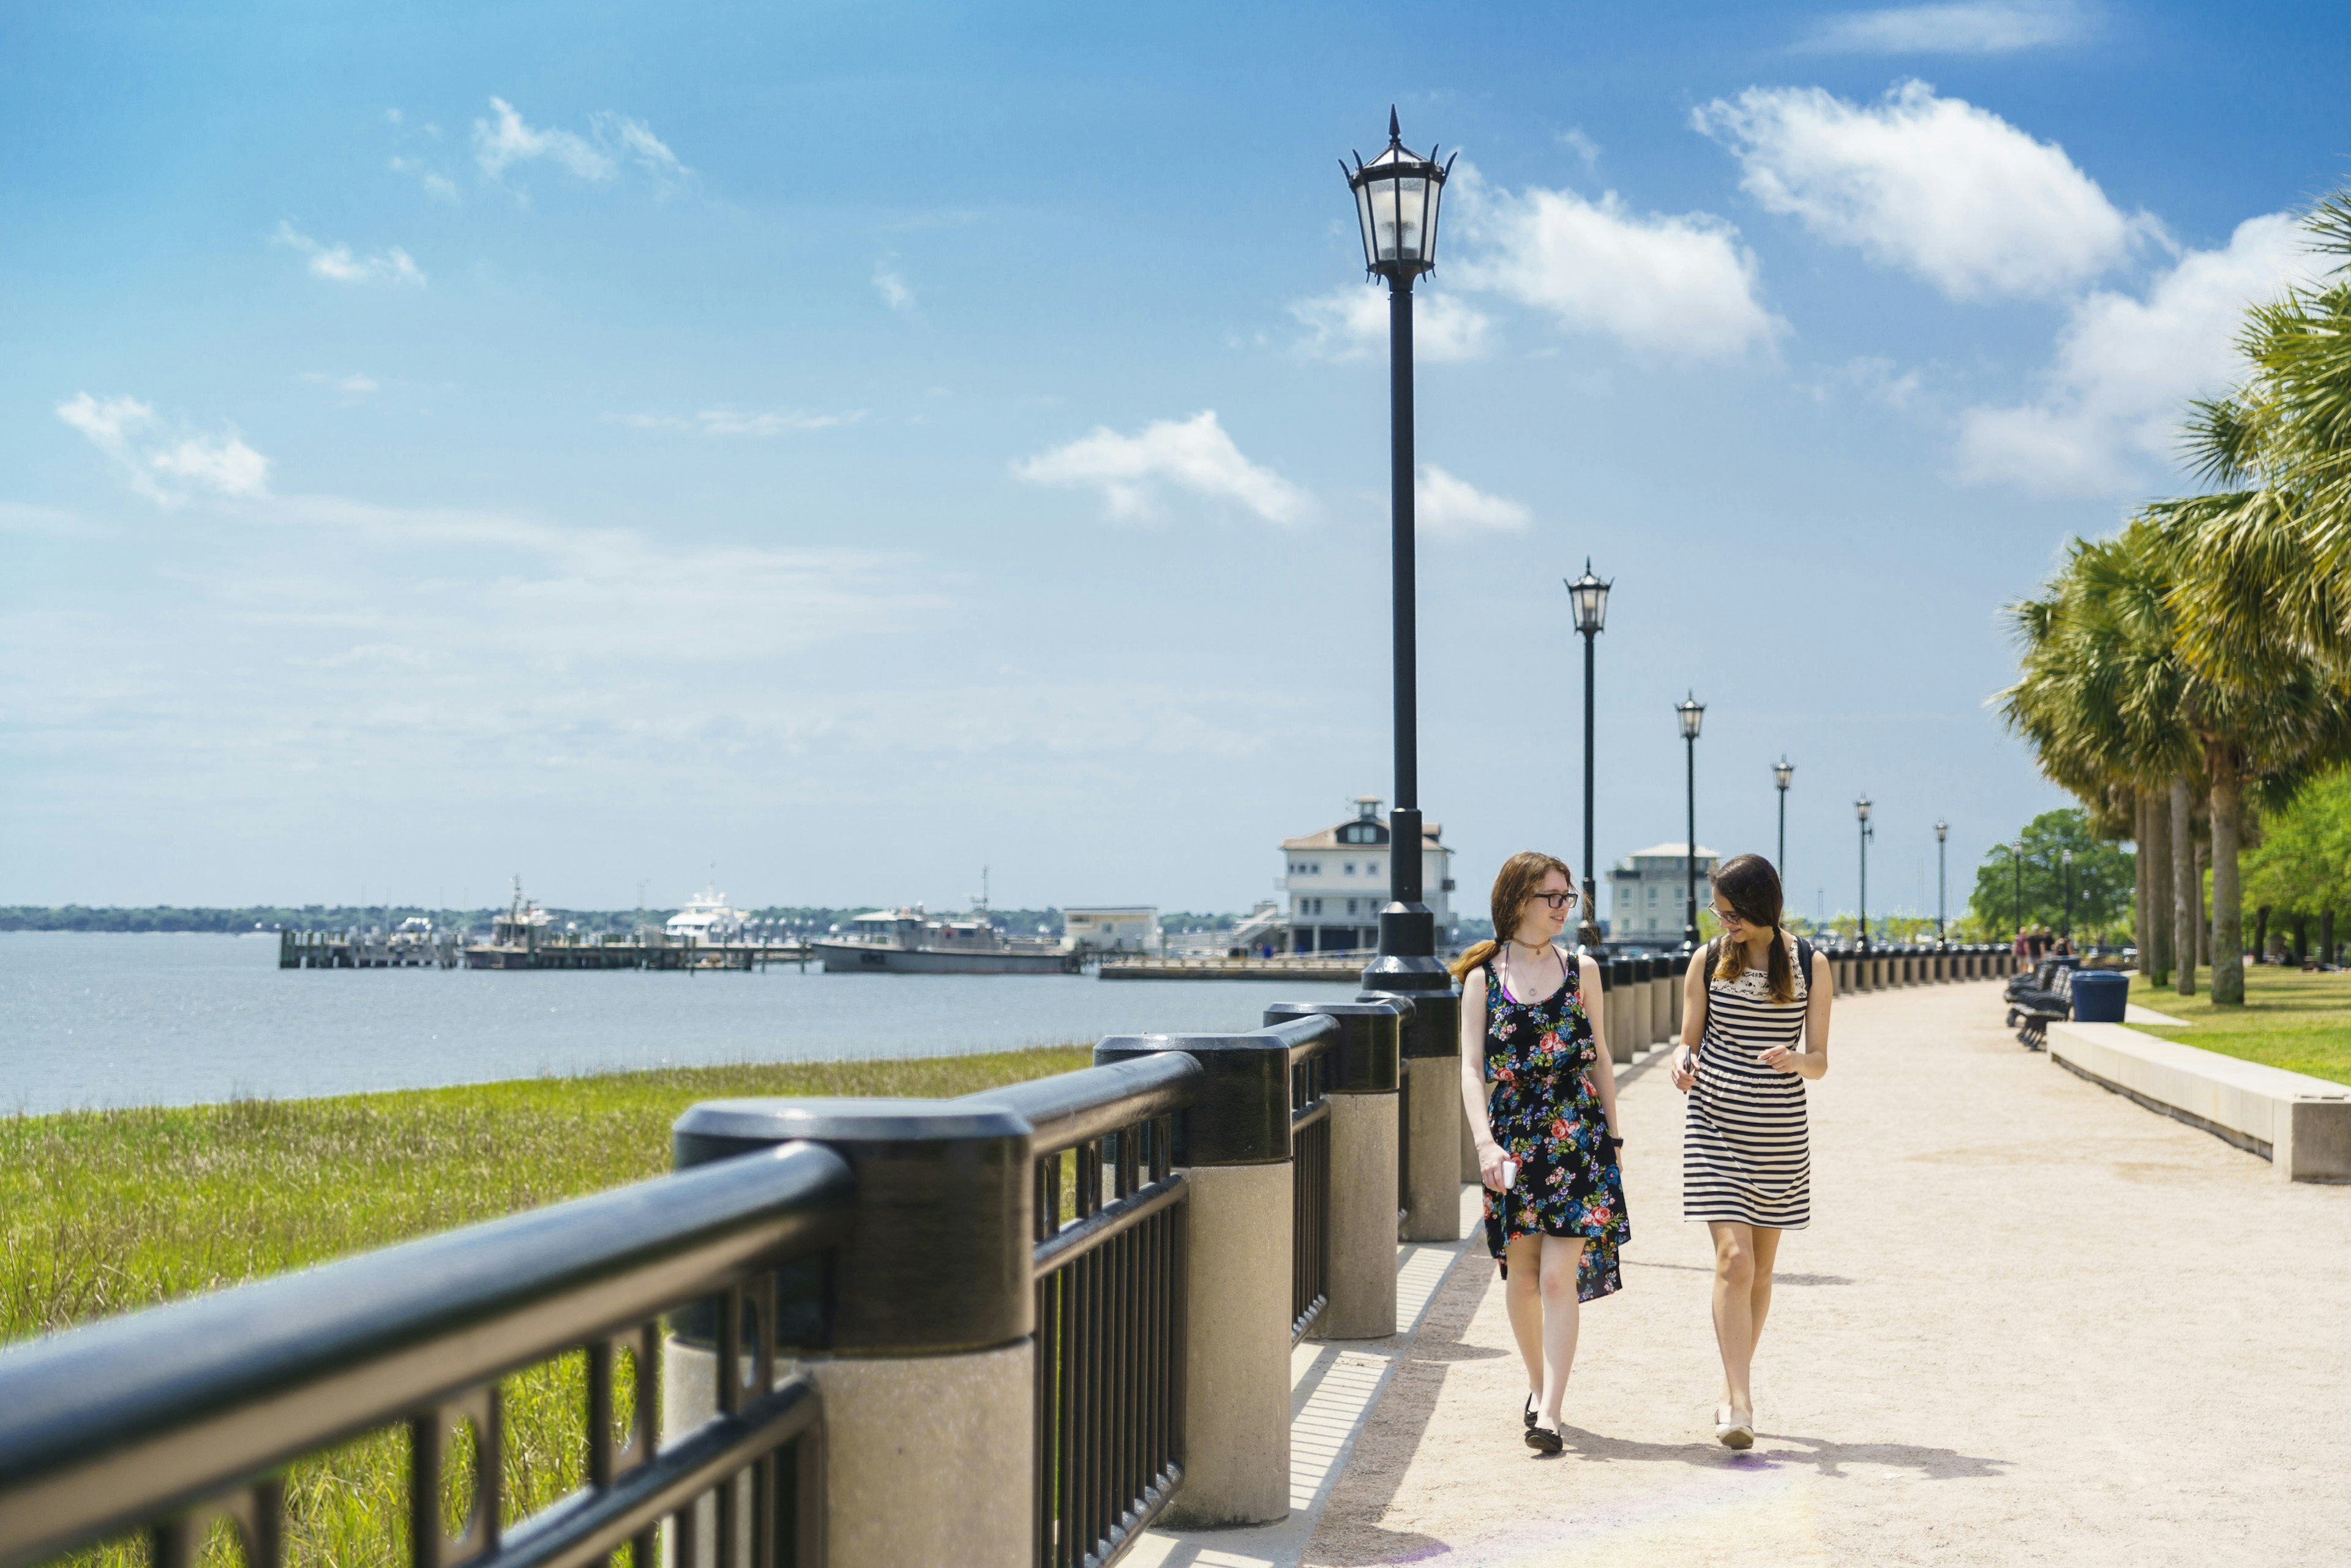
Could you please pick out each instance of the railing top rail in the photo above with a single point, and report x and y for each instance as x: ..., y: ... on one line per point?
x: 107, y: 1424
x: 1073, y: 1108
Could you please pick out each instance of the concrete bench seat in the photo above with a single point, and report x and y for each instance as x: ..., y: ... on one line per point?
x: 2300, y: 1124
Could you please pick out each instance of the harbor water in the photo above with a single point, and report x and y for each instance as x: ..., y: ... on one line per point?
x: 91, y: 1020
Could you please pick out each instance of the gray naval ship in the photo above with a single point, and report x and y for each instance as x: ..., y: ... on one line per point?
x: 912, y: 942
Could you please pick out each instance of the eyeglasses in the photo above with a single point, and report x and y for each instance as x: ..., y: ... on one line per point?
x: 1556, y: 900
x: 1730, y: 918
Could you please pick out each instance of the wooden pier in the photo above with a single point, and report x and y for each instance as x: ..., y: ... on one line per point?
x: 546, y: 950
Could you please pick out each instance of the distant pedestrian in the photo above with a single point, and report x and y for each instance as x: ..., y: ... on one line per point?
x: 1542, y: 1098
x: 1750, y: 997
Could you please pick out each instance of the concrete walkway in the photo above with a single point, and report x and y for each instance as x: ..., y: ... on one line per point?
x: 2031, y: 1322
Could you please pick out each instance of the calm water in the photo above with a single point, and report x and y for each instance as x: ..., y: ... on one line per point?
x: 91, y: 1020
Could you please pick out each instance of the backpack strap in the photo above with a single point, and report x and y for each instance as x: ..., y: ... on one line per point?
x: 1805, y: 964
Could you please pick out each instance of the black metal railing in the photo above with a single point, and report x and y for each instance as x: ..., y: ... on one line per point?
x: 1110, y: 1293
x: 173, y: 1422
x: 1309, y: 1184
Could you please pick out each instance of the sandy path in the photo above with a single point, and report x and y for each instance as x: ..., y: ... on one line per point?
x: 2031, y: 1322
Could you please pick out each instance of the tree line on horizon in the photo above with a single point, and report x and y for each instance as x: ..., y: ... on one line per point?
x: 2187, y: 678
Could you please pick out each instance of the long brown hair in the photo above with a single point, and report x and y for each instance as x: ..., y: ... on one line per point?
x: 1520, y: 876
x: 1751, y: 888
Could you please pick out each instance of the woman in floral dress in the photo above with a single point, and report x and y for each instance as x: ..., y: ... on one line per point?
x: 1542, y: 1105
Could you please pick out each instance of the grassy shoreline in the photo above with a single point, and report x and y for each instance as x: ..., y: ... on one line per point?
x: 104, y: 1212
x: 2290, y: 1019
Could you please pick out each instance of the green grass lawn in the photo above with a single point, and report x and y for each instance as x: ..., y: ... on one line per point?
x: 2290, y: 1019
x: 104, y: 1212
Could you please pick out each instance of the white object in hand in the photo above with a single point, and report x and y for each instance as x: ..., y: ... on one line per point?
x: 1510, y: 1174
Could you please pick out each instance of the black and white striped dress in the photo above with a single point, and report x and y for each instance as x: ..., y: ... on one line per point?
x: 1746, y: 1154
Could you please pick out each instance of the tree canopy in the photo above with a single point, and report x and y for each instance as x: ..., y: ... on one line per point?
x: 2104, y: 876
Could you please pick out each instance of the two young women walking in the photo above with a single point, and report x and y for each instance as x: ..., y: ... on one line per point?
x: 1541, y: 1100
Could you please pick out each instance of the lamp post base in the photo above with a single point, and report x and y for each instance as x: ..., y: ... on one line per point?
x: 1407, y: 959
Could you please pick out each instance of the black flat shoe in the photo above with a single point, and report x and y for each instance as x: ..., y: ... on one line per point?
x: 1531, y: 1410
x: 1542, y: 1439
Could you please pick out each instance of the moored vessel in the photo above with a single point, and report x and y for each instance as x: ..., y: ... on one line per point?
x: 910, y: 941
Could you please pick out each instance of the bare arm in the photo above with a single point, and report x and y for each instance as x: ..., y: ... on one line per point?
x: 1685, y: 1061
x: 1604, y: 1075
x: 1473, y: 1077
x: 1813, y: 1059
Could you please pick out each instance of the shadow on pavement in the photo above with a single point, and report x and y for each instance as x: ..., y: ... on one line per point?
x: 1828, y: 1458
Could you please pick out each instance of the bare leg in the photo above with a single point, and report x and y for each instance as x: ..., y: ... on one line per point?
x: 1562, y: 1256
x: 1759, y: 1296
x: 1522, y: 1296
x: 1734, y: 1308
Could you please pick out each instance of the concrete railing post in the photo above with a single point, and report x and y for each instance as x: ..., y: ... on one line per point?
x: 1365, y: 1138
x: 1233, y: 1147
x: 1619, y: 995
x: 1641, y: 997
x: 1676, y: 1000
x: 1440, y: 1151
x: 926, y: 1358
x: 1661, y: 1000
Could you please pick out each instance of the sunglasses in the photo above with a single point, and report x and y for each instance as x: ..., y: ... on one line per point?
x: 1556, y: 900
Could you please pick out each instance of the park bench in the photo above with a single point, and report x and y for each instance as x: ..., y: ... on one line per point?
x: 2040, y: 998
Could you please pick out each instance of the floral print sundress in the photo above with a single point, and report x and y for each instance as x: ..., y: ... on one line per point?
x: 1546, y: 1114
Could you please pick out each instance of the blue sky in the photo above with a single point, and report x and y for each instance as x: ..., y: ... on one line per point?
x: 848, y: 446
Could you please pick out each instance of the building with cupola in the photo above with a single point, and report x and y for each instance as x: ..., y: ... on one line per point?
x: 1648, y: 896
x: 1337, y: 881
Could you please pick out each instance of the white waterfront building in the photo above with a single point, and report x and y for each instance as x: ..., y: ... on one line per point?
x: 1128, y: 929
x: 1648, y: 904
x: 1337, y: 881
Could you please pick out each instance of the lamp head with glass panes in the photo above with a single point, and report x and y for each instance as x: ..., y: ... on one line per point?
x: 1861, y: 808
x: 1942, y: 830
x: 1396, y: 198
x: 1782, y: 771
x: 1590, y: 595
x: 1692, y: 713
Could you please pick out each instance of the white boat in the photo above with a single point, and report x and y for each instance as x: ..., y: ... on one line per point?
x: 705, y: 921
x: 910, y: 942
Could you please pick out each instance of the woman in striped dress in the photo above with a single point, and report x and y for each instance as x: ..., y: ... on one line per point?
x: 1754, y: 1027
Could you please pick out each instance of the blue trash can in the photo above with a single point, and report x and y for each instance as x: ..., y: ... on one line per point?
x: 2099, y: 996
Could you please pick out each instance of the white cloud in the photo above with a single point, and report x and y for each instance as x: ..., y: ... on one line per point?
x: 352, y: 387
x: 1879, y: 380
x: 1985, y: 27
x: 1351, y: 323
x: 437, y: 186
x: 889, y: 283
x: 1582, y: 146
x: 637, y: 142
x: 2113, y: 398
x: 1950, y: 191
x: 1681, y: 285
x: 338, y: 264
x: 1193, y: 454
x: 167, y: 467
x: 737, y: 422
x: 508, y: 141
x: 1445, y: 505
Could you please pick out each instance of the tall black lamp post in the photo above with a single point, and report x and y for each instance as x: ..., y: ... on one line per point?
x: 1942, y: 863
x: 1692, y: 713
x: 1396, y: 199
x: 1782, y: 771
x: 2016, y: 865
x: 2066, y: 858
x: 1861, y: 810
x: 1589, y: 596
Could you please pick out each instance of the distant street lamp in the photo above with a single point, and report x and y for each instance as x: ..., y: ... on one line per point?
x: 1692, y: 713
x: 1781, y: 771
x: 2016, y: 865
x: 1396, y: 198
x: 1942, y: 865
x: 1589, y: 596
x: 2066, y: 858
x: 1861, y: 810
